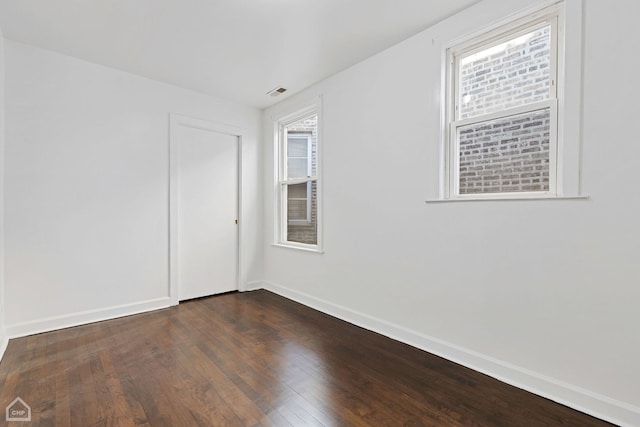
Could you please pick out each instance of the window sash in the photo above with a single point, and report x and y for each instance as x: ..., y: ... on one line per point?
x: 285, y: 182
x: 284, y: 201
x: 461, y: 53
x: 308, y: 157
x: 283, y: 156
x: 308, y: 199
x: 454, y: 157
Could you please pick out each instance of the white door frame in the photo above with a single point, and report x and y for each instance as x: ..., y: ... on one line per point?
x: 175, y: 122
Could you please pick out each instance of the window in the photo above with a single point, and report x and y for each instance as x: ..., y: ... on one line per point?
x: 503, y: 111
x: 297, y: 180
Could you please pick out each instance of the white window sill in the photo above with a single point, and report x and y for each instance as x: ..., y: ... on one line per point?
x: 507, y: 199
x: 299, y: 248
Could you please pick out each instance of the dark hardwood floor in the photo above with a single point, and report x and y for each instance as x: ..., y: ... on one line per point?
x: 253, y: 359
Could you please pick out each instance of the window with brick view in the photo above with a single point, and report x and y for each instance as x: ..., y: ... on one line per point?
x: 503, y: 112
x: 298, y: 182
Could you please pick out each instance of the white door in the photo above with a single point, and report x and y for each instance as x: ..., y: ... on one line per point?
x: 207, y: 209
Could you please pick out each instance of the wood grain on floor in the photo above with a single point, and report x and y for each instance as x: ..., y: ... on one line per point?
x: 248, y: 359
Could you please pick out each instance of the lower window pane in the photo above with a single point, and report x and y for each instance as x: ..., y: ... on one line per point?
x: 302, y: 208
x: 505, y: 155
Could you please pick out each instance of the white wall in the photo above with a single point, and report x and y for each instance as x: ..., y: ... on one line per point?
x: 3, y: 336
x: 87, y: 188
x: 542, y: 294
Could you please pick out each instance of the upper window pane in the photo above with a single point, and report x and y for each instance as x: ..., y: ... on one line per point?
x: 298, y: 146
x: 302, y: 148
x: 297, y: 167
x: 506, y: 75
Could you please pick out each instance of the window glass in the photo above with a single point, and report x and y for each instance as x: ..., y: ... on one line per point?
x: 505, y: 155
x: 506, y: 75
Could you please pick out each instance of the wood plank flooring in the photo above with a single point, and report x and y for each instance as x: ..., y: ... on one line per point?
x: 253, y: 359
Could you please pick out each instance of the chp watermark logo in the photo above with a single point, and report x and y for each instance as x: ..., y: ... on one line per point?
x: 18, y: 410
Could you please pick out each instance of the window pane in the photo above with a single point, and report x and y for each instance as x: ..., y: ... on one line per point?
x: 298, y: 191
x: 506, y: 155
x: 298, y: 229
x: 507, y: 75
x: 297, y: 146
x: 297, y: 202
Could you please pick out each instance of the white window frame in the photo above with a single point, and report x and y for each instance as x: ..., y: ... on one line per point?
x: 308, y: 137
x: 280, y: 161
x: 565, y: 100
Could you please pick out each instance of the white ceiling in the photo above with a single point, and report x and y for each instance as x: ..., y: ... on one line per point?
x: 234, y: 49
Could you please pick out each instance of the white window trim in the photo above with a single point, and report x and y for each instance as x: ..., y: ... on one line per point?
x: 568, y: 94
x: 280, y: 219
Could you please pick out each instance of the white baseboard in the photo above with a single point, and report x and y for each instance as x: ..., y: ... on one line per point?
x: 254, y: 286
x: 595, y: 404
x: 82, y: 318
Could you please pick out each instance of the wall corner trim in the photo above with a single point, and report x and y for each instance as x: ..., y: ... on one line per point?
x: 81, y: 318
x: 595, y: 404
x: 4, y: 341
